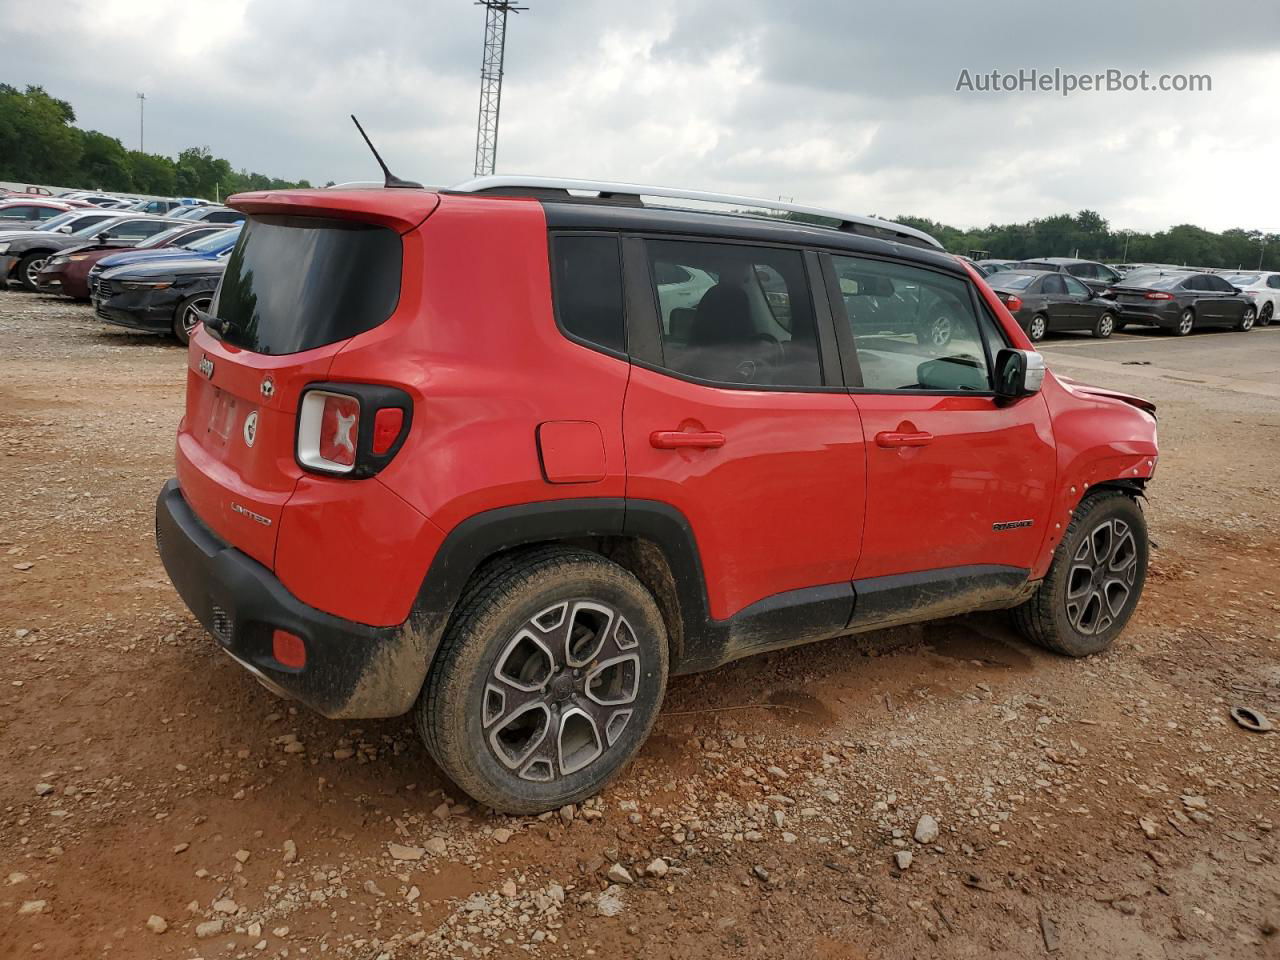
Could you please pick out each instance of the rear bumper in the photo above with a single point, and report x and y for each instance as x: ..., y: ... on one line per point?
x: 1164, y: 313
x: 352, y: 670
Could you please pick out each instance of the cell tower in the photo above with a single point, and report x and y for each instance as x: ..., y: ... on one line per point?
x: 495, y: 42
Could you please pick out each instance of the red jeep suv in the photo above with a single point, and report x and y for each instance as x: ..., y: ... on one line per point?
x: 509, y: 455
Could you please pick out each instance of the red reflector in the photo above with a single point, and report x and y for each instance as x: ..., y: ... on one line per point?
x: 288, y: 649
x: 1014, y: 303
x: 340, y: 429
x: 386, y: 428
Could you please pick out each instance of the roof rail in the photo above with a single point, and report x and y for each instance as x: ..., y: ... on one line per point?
x: 552, y: 188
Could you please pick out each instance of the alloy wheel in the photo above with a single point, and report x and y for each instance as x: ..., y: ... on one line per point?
x: 1106, y: 324
x: 33, y: 268
x: 562, y: 690
x: 1102, y: 577
x: 1186, y: 322
x: 1037, y: 328
x: 1246, y: 321
x: 940, y: 331
x: 191, y: 315
x: 1264, y: 319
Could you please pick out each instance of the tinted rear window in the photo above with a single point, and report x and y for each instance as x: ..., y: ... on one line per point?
x: 295, y: 283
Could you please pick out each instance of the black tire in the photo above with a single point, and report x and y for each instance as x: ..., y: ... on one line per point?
x: 184, y: 319
x: 1264, y: 318
x: 28, y: 267
x: 1058, y: 616
x: 1037, y: 327
x: 1186, y: 323
x: 505, y: 629
x: 1246, y: 321
x: 1105, y: 325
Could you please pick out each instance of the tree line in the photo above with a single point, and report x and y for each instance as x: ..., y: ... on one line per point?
x: 1088, y: 235
x: 40, y: 143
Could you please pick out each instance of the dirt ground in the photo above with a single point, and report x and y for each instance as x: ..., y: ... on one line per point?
x: 156, y: 802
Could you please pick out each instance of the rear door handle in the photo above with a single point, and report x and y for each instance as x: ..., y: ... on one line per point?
x: 675, y: 439
x: 894, y: 439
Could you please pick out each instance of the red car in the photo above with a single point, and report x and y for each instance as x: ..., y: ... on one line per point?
x: 509, y: 458
x: 68, y: 271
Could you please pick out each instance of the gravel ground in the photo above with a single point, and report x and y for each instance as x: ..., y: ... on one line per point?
x: 935, y: 791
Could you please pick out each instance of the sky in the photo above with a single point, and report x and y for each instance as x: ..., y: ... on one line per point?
x: 846, y: 104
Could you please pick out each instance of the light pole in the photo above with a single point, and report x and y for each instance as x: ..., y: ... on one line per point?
x: 1262, y: 248
x: 142, y: 104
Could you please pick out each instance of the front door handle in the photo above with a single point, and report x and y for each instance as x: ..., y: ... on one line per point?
x: 676, y: 439
x: 891, y: 438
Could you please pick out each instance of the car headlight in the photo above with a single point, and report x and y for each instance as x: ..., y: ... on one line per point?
x: 78, y: 256
x: 4, y: 248
x: 146, y: 284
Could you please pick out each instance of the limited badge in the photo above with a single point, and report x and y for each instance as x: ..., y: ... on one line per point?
x: 251, y: 428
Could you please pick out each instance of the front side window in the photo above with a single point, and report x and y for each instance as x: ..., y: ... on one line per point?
x: 913, y: 329
x: 18, y: 213
x: 1082, y: 270
x: 735, y: 314
x: 1273, y: 281
x: 587, y: 273
x: 44, y: 214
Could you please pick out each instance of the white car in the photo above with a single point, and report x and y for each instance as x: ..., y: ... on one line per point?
x: 1264, y: 288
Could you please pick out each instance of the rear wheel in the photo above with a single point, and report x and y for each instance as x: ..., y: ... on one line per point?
x: 28, y: 267
x: 1037, y: 328
x: 1246, y: 319
x: 547, y: 681
x: 1104, y: 326
x: 187, y: 317
x: 1186, y: 323
x: 1095, y: 580
x: 938, y: 331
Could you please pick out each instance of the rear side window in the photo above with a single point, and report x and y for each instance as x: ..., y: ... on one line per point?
x: 735, y: 314
x: 1273, y: 281
x: 295, y: 283
x: 587, y: 274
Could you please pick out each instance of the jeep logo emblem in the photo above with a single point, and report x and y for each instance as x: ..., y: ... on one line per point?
x: 250, y: 428
x: 205, y: 367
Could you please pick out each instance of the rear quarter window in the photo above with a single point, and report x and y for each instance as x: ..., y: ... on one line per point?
x: 296, y: 283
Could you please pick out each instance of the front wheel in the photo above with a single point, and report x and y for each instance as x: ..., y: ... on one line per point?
x: 547, y: 681
x: 1246, y: 319
x: 29, y: 268
x: 1104, y: 326
x: 1095, y: 580
x: 187, y: 317
x: 1264, y: 318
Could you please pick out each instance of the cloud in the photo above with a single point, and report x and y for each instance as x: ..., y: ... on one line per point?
x: 851, y: 105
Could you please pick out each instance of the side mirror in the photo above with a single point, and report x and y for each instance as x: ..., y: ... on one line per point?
x: 1237, y: 289
x: 102, y: 237
x: 65, y: 228
x: 1019, y: 373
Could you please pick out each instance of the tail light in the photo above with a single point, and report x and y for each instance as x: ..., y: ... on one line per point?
x: 1014, y: 304
x: 1159, y: 296
x: 349, y: 429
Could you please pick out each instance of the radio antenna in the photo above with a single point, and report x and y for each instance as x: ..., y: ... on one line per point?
x: 389, y: 178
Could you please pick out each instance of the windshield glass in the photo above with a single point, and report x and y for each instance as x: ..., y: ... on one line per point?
x: 294, y: 283
x: 1243, y: 279
x: 213, y: 242
x: 55, y: 222
x: 162, y: 238
x: 94, y: 226
x: 1013, y: 281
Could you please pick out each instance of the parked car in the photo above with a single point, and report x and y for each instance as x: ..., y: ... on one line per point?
x: 1180, y: 302
x: 65, y: 222
x: 530, y: 565
x: 68, y: 271
x: 995, y: 266
x: 1264, y: 289
x: 1042, y: 302
x: 24, y: 214
x: 23, y: 253
x: 207, y: 247
x: 1096, y: 276
x: 163, y: 296
x: 209, y: 212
